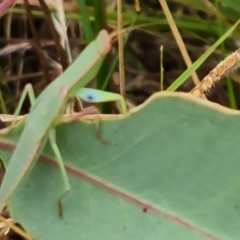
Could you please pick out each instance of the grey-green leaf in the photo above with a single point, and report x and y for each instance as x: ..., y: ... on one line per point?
x: 171, y: 171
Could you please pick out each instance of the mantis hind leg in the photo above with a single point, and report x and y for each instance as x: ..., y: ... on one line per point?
x: 27, y: 92
x: 56, y: 151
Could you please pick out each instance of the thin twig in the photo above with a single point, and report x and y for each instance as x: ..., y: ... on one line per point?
x: 37, y: 41
x: 137, y: 6
x: 55, y: 35
x: 120, y: 50
x: 178, y: 38
x: 16, y: 229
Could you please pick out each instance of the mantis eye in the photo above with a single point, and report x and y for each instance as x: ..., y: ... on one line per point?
x: 88, y: 95
x: 89, y: 98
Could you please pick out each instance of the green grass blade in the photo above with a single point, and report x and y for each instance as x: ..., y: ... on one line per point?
x: 87, y: 26
x: 99, y: 15
x: 174, y: 86
x: 2, y: 103
x: 197, y: 63
x: 230, y: 89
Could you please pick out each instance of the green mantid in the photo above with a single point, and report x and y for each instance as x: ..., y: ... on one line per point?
x: 48, y: 108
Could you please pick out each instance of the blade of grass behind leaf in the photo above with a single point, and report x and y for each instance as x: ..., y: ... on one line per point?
x: 87, y: 27
x: 2, y: 104
x: 230, y: 89
x: 100, y: 22
x: 100, y: 19
x: 180, y: 80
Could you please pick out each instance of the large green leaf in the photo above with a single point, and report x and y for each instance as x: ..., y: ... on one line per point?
x: 171, y: 171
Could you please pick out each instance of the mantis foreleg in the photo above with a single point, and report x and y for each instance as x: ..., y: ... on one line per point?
x: 99, y: 96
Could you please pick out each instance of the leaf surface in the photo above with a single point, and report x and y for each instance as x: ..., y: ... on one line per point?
x: 170, y: 171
